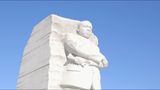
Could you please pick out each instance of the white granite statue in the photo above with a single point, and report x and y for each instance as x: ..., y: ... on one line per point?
x: 60, y: 54
x: 84, y: 59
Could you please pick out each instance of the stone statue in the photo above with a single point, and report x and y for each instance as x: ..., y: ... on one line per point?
x: 84, y: 59
x: 61, y: 53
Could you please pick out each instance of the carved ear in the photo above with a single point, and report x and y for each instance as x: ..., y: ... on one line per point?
x: 78, y: 25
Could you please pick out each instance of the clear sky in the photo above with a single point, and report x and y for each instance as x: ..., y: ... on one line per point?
x: 128, y: 32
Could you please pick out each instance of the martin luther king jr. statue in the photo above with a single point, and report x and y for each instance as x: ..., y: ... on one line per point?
x: 84, y: 60
x: 61, y: 54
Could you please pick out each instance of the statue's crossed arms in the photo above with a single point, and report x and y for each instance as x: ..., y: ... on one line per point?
x: 85, y: 51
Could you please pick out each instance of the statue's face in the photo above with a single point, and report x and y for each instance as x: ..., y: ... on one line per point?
x: 85, y: 30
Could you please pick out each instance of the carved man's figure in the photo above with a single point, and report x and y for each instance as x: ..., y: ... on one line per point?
x: 84, y: 59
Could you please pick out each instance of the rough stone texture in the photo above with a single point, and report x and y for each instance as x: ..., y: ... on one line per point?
x: 44, y: 55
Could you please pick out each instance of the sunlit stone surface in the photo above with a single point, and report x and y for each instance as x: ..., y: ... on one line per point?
x: 61, y: 53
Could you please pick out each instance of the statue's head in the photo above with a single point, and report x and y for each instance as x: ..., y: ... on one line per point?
x: 85, y: 29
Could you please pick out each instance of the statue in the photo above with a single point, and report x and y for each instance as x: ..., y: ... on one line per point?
x: 84, y: 59
x: 61, y: 54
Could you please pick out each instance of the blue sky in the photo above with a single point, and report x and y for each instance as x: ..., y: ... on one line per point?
x: 128, y: 32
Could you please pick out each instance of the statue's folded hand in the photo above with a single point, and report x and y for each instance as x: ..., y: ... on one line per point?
x: 103, y: 63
